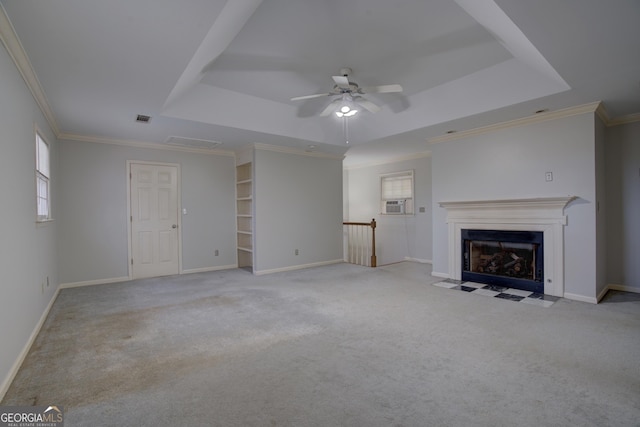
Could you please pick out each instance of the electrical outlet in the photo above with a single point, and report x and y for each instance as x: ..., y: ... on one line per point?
x: 216, y: 253
x: 297, y: 252
x: 47, y: 281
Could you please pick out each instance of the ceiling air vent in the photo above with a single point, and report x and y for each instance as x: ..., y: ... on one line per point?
x: 192, y: 142
x: 143, y: 119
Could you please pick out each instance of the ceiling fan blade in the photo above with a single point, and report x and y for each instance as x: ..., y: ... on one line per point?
x: 315, y: 95
x: 341, y: 81
x: 366, y: 104
x: 330, y: 108
x: 381, y: 89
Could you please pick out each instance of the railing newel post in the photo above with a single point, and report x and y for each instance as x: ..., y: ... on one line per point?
x: 374, y: 260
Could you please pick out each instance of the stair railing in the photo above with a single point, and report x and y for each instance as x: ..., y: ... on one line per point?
x: 361, y: 243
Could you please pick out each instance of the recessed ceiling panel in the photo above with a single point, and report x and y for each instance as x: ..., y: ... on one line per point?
x: 417, y: 44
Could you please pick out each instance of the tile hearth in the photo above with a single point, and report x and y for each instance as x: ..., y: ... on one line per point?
x: 501, y: 292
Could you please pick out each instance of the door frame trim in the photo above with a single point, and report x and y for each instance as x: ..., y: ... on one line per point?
x: 129, y: 213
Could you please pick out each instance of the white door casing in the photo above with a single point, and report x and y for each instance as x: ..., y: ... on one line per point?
x: 154, y: 220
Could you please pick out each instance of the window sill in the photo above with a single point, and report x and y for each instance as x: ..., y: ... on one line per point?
x: 43, y: 222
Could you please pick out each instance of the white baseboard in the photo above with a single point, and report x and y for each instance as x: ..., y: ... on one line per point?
x: 581, y: 298
x: 602, y: 293
x: 127, y: 279
x: 421, y: 261
x: 438, y: 274
x: 6, y: 383
x: 598, y: 298
x: 296, y: 267
x: 206, y: 269
x: 624, y: 288
x: 94, y: 282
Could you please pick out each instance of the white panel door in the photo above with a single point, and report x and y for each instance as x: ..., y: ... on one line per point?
x: 154, y: 220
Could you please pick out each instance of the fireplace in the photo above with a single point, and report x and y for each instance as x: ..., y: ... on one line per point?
x: 506, y: 258
x: 543, y: 215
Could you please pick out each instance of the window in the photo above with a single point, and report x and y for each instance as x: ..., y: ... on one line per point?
x: 43, y: 196
x: 396, y: 193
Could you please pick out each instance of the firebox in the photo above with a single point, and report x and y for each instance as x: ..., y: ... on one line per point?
x: 506, y: 258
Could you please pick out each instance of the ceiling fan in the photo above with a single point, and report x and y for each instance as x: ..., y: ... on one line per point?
x: 349, y: 94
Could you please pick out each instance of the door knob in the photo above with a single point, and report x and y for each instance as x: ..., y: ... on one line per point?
x: 174, y: 226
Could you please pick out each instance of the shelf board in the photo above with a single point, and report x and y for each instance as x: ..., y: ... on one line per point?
x: 244, y: 216
x: 244, y: 181
x: 245, y: 249
x: 245, y: 232
x: 244, y: 198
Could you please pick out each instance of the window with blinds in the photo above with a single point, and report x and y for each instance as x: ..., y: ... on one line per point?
x: 43, y: 199
x: 396, y: 193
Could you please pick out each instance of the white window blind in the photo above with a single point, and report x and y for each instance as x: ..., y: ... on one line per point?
x: 397, y: 186
x: 43, y: 200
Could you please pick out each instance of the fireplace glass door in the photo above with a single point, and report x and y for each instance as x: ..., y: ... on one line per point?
x: 506, y: 258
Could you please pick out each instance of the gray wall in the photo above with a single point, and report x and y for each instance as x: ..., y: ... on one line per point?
x: 93, y: 241
x: 623, y: 202
x: 298, y: 205
x: 27, y: 250
x: 511, y: 163
x: 397, y: 237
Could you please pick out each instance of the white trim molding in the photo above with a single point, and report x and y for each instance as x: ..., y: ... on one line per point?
x: 208, y: 269
x: 623, y: 288
x: 143, y: 144
x: 6, y: 382
x: 297, y: 267
x: 414, y: 156
x: 16, y: 51
x: 537, y: 118
x: 298, y: 151
x: 94, y: 282
x: 539, y: 214
x: 418, y: 260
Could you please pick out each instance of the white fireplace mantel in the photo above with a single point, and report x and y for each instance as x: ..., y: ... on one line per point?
x: 538, y: 214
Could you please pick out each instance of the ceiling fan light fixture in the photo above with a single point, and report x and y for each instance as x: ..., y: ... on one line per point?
x: 346, y: 112
x: 346, y: 107
x: 348, y: 104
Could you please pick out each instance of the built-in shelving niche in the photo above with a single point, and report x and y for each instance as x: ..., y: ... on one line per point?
x: 244, y: 212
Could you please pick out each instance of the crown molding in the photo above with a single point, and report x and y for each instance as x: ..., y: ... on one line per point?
x: 143, y: 144
x: 391, y: 160
x: 538, y: 118
x: 20, y: 58
x: 298, y: 151
x: 616, y: 121
x: 623, y: 120
x: 601, y: 112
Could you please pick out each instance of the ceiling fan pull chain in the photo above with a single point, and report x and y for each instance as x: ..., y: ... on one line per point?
x: 346, y: 129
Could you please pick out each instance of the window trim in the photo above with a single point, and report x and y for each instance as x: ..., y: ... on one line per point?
x: 410, y: 206
x: 44, y: 176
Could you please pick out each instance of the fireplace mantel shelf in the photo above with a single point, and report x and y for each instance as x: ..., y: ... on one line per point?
x: 536, y: 214
x: 540, y: 202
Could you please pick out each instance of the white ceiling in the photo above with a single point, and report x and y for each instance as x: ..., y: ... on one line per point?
x: 226, y: 70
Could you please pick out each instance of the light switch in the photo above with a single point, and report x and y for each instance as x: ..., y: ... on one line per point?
x: 549, y: 176
x: 184, y: 211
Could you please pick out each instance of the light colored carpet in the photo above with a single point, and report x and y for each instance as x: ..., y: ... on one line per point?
x: 339, y: 345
